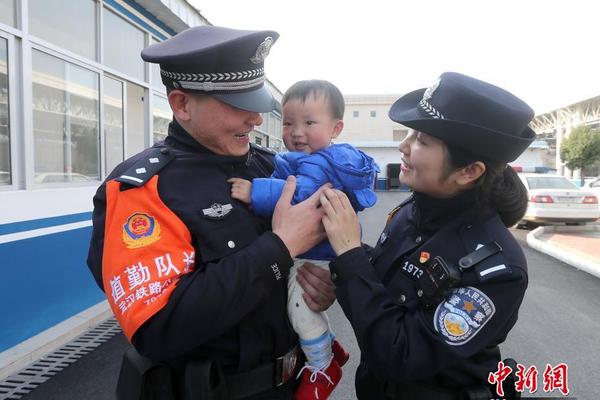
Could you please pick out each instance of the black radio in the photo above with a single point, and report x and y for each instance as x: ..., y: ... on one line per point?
x: 437, y: 279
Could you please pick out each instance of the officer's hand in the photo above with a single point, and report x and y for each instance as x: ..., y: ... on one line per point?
x: 319, y: 290
x: 241, y: 189
x: 340, y: 221
x: 299, y: 226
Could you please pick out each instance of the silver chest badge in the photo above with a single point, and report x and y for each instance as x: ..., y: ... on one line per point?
x: 217, y: 211
x: 262, y: 51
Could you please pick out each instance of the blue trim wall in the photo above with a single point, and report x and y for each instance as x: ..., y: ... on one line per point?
x: 140, y: 21
x: 23, y: 226
x: 45, y: 280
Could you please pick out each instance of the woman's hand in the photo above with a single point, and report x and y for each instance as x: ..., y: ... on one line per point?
x: 298, y: 226
x: 319, y: 290
x: 340, y: 221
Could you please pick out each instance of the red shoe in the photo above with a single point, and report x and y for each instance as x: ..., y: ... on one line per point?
x: 318, y: 384
x: 339, y: 353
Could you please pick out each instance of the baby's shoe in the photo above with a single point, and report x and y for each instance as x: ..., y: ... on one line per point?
x: 339, y: 353
x: 318, y: 384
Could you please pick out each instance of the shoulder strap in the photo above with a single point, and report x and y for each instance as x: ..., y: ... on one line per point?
x: 146, y: 167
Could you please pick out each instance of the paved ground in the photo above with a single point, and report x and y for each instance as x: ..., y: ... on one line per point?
x: 585, y: 244
x: 559, y: 322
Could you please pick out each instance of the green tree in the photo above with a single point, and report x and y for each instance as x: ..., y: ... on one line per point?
x: 581, y: 148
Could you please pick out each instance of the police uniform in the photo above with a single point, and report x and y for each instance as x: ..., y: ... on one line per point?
x: 420, y: 339
x: 191, y: 274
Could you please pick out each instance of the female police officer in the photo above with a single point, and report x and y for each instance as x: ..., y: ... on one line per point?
x: 442, y: 288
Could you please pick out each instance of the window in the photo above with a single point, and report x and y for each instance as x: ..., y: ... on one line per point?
x: 136, y: 120
x: 400, y: 134
x: 113, y: 122
x: 258, y: 140
x: 161, y: 118
x: 65, y: 119
x: 355, y: 114
x: 123, y: 43
x: 155, y: 73
x: 5, y: 178
x: 373, y: 114
x: 70, y: 24
x: 7, y: 12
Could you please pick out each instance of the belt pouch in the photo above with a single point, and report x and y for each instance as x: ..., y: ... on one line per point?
x: 143, y: 379
x: 204, y: 380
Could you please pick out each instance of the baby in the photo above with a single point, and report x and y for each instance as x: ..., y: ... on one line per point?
x: 313, y: 114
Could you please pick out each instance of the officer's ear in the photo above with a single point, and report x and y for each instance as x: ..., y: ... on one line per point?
x: 179, y: 102
x: 469, y: 174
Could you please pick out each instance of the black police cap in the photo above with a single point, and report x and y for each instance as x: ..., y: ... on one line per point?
x: 225, y: 63
x: 466, y: 113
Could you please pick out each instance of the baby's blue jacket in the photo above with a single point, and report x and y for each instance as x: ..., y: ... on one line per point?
x: 345, y: 167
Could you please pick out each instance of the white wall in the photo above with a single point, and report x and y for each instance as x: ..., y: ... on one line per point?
x: 383, y: 157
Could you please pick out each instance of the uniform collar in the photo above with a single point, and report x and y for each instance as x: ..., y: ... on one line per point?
x: 180, y: 139
x: 429, y: 214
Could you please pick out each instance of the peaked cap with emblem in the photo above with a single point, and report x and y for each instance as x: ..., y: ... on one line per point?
x: 225, y: 63
x: 474, y: 116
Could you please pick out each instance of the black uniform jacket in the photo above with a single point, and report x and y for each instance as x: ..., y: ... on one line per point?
x: 451, y: 345
x: 232, y: 307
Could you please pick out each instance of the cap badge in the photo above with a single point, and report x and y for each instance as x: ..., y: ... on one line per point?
x: 426, y: 106
x: 430, y: 90
x: 262, y: 51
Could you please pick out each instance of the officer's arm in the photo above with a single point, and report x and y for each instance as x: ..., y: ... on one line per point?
x: 213, y: 299
x: 404, y: 346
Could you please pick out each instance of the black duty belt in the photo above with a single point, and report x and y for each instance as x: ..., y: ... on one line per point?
x: 264, y: 377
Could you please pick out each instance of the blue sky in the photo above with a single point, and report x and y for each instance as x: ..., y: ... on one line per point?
x: 546, y: 52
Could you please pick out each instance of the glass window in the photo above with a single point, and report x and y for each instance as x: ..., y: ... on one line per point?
x: 155, y: 73
x: 123, y: 43
x: 70, y: 24
x: 136, y: 120
x: 355, y: 114
x: 4, y: 120
x: 373, y: 113
x: 7, y: 12
x: 556, y: 182
x: 65, y: 121
x: 113, y: 122
x: 161, y: 117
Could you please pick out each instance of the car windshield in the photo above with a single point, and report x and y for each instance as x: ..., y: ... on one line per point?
x: 547, y: 182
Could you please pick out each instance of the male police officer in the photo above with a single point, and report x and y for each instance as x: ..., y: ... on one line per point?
x: 197, y: 281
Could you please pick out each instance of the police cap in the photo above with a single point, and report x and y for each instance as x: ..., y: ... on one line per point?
x: 476, y: 117
x: 225, y: 63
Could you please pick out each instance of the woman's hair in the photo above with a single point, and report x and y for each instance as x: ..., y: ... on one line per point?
x: 498, y: 187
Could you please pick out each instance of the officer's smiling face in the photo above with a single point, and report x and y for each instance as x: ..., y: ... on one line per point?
x: 425, y: 165
x: 309, y: 125
x: 217, y: 126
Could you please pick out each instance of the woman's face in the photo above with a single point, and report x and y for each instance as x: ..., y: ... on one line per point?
x: 425, y: 167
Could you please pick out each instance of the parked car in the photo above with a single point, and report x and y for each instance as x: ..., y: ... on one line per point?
x: 554, y: 198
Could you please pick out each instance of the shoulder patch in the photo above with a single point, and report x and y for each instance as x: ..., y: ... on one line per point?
x: 145, y: 168
x: 462, y: 315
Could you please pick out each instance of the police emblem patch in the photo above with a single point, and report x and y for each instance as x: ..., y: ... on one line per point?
x: 217, y: 211
x: 462, y: 315
x: 140, y: 230
x: 262, y: 51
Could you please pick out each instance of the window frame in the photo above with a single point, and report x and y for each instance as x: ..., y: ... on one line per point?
x: 13, y: 123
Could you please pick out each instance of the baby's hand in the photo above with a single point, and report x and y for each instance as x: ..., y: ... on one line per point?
x: 241, y: 189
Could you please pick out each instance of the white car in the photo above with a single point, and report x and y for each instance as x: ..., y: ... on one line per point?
x: 554, y: 198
